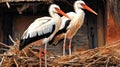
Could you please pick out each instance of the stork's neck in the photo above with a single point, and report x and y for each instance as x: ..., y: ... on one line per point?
x: 54, y: 15
x: 56, y: 18
x: 80, y: 15
x: 79, y: 12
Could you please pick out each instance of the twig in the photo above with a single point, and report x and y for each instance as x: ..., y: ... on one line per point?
x: 33, y: 52
x: 8, y: 5
x: 24, y: 57
x: 16, y: 62
x: 12, y: 39
x: 115, y: 42
x: 116, y: 58
x: 2, y: 54
x: 105, y: 47
x: 94, y: 62
x: 113, y: 45
x: 15, y: 46
x: 107, y: 61
x: 3, y: 49
x: 94, y: 55
x: 87, y: 51
x: 25, y: 53
x: 2, y: 61
x: 5, y: 45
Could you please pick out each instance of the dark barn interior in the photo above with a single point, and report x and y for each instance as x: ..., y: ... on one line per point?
x: 15, y: 21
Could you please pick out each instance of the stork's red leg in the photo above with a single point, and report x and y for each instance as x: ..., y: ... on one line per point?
x: 45, y: 52
x: 70, y: 44
x: 64, y: 46
x: 40, y: 56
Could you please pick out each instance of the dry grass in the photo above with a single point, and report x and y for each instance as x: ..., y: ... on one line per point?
x: 99, y: 57
x: 15, y: 58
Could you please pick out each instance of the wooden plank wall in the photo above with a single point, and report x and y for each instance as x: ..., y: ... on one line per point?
x: 101, y: 23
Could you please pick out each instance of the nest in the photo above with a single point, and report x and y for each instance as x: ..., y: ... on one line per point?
x: 105, y: 56
x: 15, y: 58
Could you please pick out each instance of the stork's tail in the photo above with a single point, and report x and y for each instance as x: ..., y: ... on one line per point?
x: 24, y: 43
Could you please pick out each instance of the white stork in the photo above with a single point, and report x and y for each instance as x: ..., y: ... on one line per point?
x: 42, y: 30
x: 69, y: 28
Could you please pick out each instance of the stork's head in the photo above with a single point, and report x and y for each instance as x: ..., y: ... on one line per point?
x: 56, y: 9
x: 80, y: 4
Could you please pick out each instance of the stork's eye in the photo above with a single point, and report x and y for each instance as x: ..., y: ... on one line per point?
x: 82, y: 4
x: 56, y: 8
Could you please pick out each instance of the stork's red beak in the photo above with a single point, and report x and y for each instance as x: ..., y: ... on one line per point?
x: 62, y: 13
x: 88, y: 8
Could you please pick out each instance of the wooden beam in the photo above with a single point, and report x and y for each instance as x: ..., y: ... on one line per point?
x: 7, y: 27
x: 101, y: 27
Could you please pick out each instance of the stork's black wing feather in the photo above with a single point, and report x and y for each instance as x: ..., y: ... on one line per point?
x: 63, y: 30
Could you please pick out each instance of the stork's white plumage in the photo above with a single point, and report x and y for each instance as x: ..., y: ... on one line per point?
x: 69, y: 30
x: 43, y: 29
